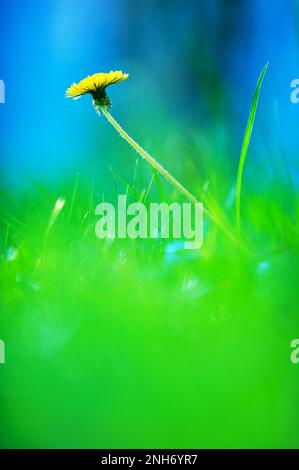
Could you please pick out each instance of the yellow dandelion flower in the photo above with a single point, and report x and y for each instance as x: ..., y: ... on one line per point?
x: 96, y: 85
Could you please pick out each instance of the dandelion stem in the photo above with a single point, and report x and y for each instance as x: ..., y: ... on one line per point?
x: 148, y: 157
x: 217, y: 219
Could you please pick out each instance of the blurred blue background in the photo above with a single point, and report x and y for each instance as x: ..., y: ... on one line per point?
x: 193, y: 66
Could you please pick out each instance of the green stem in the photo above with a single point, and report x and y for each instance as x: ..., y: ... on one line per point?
x: 98, y: 107
x: 148, y: 157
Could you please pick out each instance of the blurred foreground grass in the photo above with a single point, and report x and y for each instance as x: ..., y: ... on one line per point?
x: 140, y: 344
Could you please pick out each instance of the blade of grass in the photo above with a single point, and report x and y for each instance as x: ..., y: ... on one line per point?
x: 135, y: 176
x: 74, y: 194
x: 127, y: 185
x: 149, y: 187
x: 13, y: 218
x: 90, y: 204
x: 246, y: 142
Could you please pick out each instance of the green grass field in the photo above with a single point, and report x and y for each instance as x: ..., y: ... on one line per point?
x: 139, y: 343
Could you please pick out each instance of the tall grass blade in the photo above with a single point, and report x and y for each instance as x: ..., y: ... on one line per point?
x: 245, y: 145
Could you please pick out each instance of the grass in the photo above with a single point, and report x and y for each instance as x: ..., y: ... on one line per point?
x: 246, y: 141
x: 142, y: 344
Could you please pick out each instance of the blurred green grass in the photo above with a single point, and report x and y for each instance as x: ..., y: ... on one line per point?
x: 138, y: 344
x: 129, y: 344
